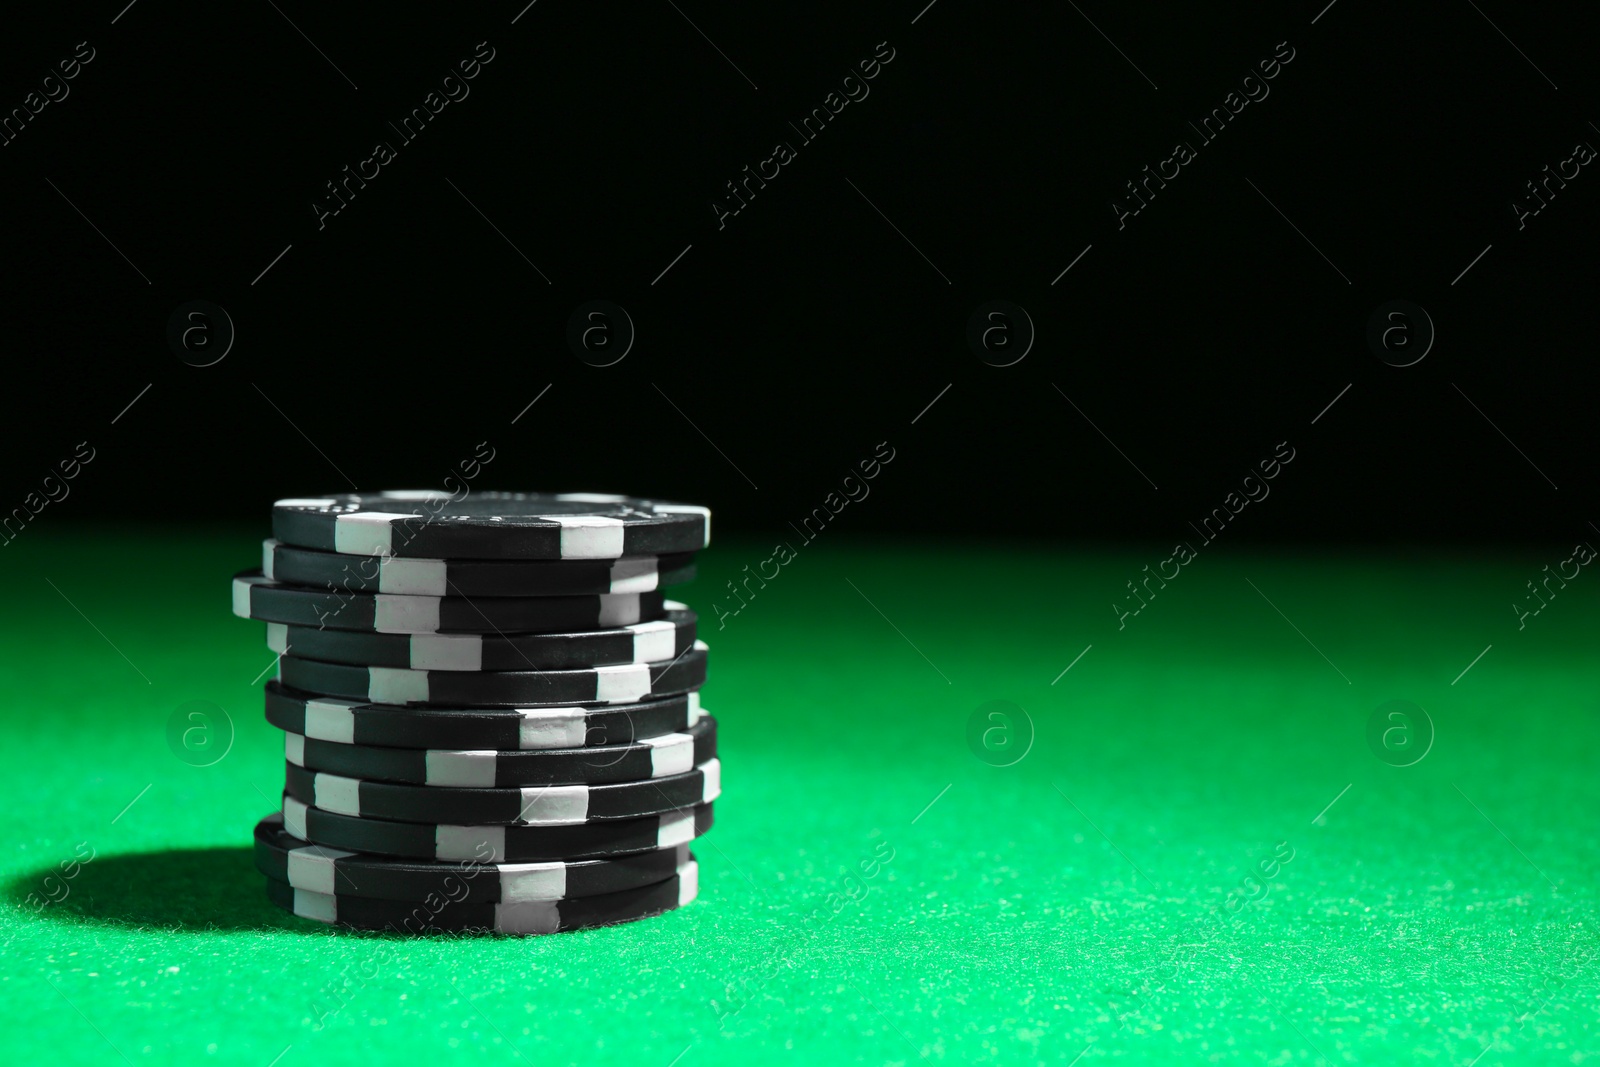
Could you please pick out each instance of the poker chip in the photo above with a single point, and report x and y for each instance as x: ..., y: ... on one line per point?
x: 642, y: 642
x: 315, y: 868
x: 471, y: 577
x: 655, y: 757
x: 516, y: 729
x: 438, y: 913
x: 256, y: 597
x: 434, y: 525
x: 491, y: 713
x: 543, y: 805
x: 623, y: 683
x: 495, y: 844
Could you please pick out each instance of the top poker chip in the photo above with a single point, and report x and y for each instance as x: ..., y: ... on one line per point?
x: 430, y: 523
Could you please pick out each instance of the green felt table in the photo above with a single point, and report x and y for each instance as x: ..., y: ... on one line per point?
x: 1199, y: 859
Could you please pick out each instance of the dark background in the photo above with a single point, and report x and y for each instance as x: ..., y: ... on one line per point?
x: 379, y: 350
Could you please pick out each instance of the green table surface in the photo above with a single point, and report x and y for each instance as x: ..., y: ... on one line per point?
x: 872, y: 891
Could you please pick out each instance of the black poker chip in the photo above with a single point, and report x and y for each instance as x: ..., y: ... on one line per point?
x: 656, y: 757
x: 486, y: 525
x: 471, y: 577
x: 282, y: 856
x: 622, y: 683
x: 495, y: 844
x: 438, y: 913
x: 642, y: 642
x: 548, y: 805
x: 560, y: 726
x: 255, y: 597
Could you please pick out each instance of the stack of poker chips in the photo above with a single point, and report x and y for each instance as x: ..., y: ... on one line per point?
x: 491, y: 714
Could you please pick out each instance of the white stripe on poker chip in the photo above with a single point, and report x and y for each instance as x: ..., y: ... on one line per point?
x: 405, y: 614
x: 711, y: 769
x: 688, y: 882
x: 675, y: 829
x: 417, y: 577
x: 396, y: 685
x: 323, y: 907
x: 618, y: 609
x: 305, y: 502
x: 622, y: 683
x: 527, y: 917
x: 294, y: 748
x: 634, y: 575
x: 670, y: 754
x: 689, y: 509
x: 241, y: 597
x: 673, y: 605
x: 588, y: 536
x: 554, y: 805
x: 701, y: 645
x: 277, y: 638
x: 532, y: 882
x: 486, y: 844
x: 366, y: 533
x: 470, y: 768
x: 447, y: 652
x: 592, y: 498
x: 334, y: 792
x: 294, y: 817
x: 653, y: 640
x: 694, y: 705
x: 268, y: 548
x: 552, y: 728
x: 311, y: 867
x: 331, y: 720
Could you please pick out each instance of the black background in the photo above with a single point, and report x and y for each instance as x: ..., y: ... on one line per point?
x: 379, y: 350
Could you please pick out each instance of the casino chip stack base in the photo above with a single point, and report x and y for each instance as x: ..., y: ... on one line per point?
x: 491, y: 714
